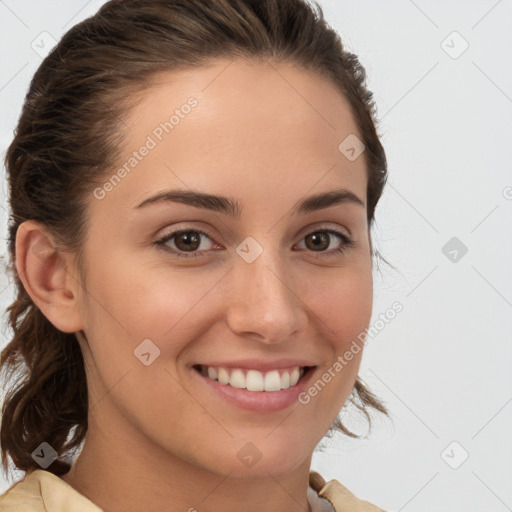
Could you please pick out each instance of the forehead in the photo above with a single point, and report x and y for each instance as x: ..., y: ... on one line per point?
x: 235, y: 127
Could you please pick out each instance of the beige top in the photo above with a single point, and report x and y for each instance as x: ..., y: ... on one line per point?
x: 42, y: 491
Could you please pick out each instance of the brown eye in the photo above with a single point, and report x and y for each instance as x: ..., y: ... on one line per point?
x: 187, y: 240
x: 319, y: 240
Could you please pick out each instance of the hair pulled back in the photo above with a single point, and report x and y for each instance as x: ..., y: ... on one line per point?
x: 67, y: 139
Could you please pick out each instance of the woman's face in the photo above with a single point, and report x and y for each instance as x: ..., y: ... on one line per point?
x: 268, y: 286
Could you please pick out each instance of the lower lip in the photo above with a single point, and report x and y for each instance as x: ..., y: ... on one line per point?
x: 258, y: 401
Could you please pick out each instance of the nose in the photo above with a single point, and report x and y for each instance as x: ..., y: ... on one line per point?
x: 263, y: 304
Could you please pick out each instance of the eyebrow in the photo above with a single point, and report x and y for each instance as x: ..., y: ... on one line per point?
x: 232, y: 207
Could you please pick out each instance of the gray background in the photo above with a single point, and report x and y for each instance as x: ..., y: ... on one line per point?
x: 443, y: 365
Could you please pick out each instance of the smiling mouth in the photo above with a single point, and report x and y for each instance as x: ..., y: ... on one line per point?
x: 254, y: 380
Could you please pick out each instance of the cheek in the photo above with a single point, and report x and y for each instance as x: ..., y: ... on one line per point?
x: 343, y: 303
x: 342, y: 306
x: 146, y: 302
x: 123, y: 310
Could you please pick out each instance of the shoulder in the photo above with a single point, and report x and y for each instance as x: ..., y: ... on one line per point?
x: 24, y: 496
x: 42, y: 491
x: 339, y: 496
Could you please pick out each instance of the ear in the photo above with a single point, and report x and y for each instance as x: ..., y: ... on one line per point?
x: 48, y: 276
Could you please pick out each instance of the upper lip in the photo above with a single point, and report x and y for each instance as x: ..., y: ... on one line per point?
x: 260, y: 364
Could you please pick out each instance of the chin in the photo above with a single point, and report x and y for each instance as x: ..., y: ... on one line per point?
x: 274, y: 466
x: 262, y: 457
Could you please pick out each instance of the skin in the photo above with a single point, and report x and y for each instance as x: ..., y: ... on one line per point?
x: 267, y: 136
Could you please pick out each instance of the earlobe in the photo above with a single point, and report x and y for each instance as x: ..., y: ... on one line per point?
x: 45, y: 275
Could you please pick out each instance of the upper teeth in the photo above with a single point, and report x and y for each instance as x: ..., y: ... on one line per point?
x: 254, y: 380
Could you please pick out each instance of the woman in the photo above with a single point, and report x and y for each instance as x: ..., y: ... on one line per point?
x: 192, y: 187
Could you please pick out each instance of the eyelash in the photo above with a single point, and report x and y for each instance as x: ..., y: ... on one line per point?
x: 162, y: 242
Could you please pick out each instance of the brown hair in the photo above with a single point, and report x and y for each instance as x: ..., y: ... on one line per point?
x: 68, y: 137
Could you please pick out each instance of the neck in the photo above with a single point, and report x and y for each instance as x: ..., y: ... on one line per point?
x: 120, y: 474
